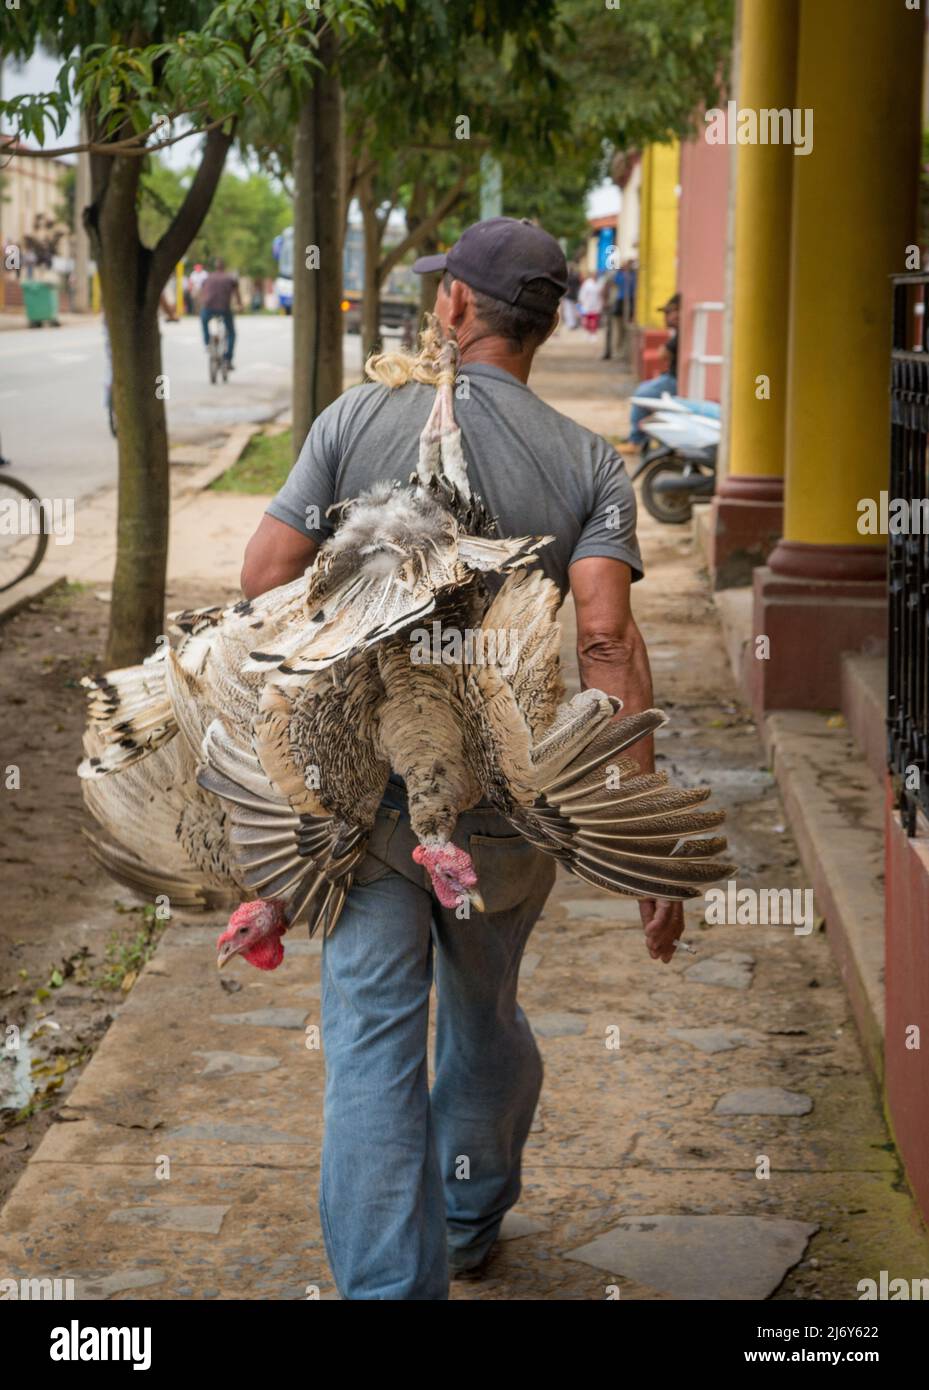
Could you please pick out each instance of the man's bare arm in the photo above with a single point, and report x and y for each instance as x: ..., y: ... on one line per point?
x: 611, y: 654
x: 275, y: 555
x: 612, y: 657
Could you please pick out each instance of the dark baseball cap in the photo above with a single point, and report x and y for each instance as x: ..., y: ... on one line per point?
x: 498, y: 257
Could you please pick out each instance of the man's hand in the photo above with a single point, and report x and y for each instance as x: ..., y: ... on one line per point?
x: 664, y: 924
x: 612, y: 657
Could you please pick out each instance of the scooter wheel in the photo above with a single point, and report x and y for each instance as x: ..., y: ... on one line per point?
x: 673, y: 508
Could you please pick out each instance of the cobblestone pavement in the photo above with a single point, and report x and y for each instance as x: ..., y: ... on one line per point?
x: 731, y: 1145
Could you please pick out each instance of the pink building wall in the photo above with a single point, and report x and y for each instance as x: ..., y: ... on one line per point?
x: 701, y: 265
x: 906, y: 1067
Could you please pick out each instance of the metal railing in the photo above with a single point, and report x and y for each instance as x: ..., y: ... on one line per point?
x: 908, y: 552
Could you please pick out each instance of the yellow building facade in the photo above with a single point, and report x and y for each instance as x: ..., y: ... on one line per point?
x: 658, y: 231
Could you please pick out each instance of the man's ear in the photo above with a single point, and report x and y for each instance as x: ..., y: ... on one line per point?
x: 460, y: 304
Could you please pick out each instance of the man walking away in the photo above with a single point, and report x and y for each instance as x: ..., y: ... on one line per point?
x: 220, y: 290
x: 416, y: 1184
x: 624, y: 299
x: 569, y: 313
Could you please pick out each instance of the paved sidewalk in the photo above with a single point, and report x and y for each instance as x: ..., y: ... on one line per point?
x: 12, y: 320
x: 730, y: 1146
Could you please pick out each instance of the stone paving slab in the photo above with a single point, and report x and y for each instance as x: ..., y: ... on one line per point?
x: 687, y: 1257
x: 267, y: 1244
x: 853, y: 1214
x: 203, y: 1143
x: 763, y: 1100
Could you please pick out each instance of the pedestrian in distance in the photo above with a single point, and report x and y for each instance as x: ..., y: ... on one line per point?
x: 219, y: 293
x: 590, y: 302
x: 569, y: 311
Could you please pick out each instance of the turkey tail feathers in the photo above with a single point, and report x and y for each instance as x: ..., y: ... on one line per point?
x: 129, y: 715
x: 126, y: 868
x: 606, y: 821
x: 616, y: 827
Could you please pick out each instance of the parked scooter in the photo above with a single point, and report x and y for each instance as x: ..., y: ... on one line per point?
x: 679, y: 464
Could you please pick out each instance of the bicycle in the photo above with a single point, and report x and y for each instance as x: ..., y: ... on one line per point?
x: 218, y: 349
x: 22, y: 545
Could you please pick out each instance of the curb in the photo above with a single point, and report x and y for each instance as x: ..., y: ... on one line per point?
x: 227, y: 455
x: 31, y: 590
x: 839, y: 831
x: 38, y: 586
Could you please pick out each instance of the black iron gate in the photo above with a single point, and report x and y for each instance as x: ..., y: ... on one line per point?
x: 908, y: 551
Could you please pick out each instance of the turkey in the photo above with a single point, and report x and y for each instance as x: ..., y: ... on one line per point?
x: 249, y: 761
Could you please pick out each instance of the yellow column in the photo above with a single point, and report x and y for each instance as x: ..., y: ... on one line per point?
x: 854, y: 214
x: 657, y: 232
x: 761, y: 246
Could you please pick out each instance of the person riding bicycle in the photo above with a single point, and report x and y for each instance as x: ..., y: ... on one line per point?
x: 219, y: 291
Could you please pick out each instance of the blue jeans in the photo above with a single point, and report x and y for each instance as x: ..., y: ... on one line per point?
x: 410, y: 1180
x: 228, y: 318
x: 657, y: 386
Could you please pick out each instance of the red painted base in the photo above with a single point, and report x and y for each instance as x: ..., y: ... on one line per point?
x: 747, y: 524
x: 648, y: 343
x: 906, y: 1068
x: 809, y: 623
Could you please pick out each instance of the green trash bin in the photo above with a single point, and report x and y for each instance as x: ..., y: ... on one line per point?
x: 41, y: 301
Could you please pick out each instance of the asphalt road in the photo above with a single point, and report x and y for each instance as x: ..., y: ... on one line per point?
x: 53, y: 424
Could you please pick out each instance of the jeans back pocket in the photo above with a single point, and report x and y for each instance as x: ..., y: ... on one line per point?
x: 509, y: 870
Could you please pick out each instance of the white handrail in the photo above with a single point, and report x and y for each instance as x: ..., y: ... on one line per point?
x: 699, y: 359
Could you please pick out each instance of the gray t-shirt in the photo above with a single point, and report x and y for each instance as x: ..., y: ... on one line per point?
x: 538, y: 472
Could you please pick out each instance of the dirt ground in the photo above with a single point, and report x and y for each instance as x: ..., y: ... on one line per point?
x: 71, y: 941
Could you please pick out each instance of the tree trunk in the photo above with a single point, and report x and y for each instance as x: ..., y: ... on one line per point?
x: 318, y: 223
x: 132, y: 278
x: 137, y: 608
x: 130, y: 306
x: 371, y: 300
x: 428, y: 284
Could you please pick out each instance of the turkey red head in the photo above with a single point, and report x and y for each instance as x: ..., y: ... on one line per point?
x: 254, y: 933
x: 453, y: 875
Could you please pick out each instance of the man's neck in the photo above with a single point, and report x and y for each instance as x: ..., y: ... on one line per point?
x: 493, y: 352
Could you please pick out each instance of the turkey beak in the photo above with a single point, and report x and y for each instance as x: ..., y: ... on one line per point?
x: 476, y: 901
x: 226, y: 952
